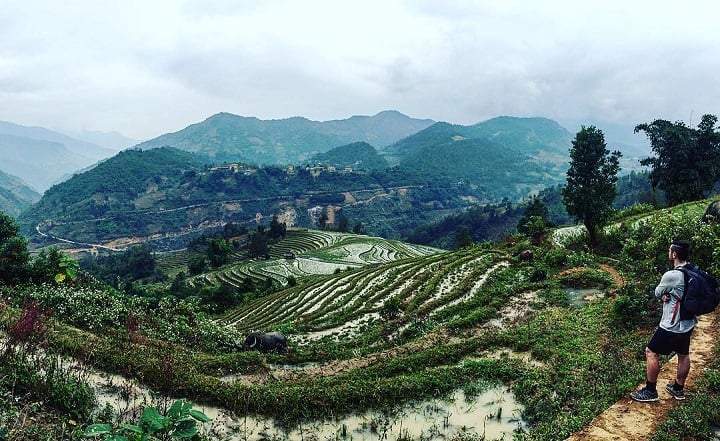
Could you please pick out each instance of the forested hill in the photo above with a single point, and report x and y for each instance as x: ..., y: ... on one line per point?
x: 358, y: 155
x: 231, y: 138
x: 495, y: 168
x: 530, y: 136
x: 169, y: 193
x: 15, y: 195
x: 116, y: 185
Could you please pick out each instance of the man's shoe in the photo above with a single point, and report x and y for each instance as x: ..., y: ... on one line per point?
x: 678, y: 394
x: 645, y: 395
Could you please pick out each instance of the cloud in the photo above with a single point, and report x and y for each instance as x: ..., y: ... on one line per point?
x: 146, y: 68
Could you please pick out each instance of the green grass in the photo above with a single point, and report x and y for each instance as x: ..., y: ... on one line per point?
x: 427, y: 331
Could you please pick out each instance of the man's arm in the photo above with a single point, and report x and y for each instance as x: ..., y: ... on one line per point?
x: 668, y: 282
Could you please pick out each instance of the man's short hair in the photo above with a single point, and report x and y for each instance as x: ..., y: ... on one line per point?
x: 681, y: 247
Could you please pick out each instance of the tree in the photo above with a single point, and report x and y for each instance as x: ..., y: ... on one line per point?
x: 529, y: 222
x: 359, y: 228
x: 53, y: 265
x: 463, y: 237
x: 591, y: 180
x: 343, y: 224
x: 196, y: 265
x: 687, y: 161
x: 218, y: 251
x: 277, y: 229
x: 258, y: 245
x: 14, y: 255
x: 323, y: 220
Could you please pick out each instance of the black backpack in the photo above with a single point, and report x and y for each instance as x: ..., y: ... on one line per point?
x: 702, y: 292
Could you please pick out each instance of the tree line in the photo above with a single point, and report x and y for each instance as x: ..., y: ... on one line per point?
x: 685, y: 166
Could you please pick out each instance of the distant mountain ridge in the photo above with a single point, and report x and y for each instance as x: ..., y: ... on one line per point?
x: 42, y: 157
x: 225, y: 137
x: 111, y: 140
x: 85, y: 149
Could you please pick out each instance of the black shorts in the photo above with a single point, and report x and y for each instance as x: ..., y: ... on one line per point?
x: 664, y: 342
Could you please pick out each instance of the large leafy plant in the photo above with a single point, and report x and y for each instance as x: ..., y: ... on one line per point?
x: 179, y: 423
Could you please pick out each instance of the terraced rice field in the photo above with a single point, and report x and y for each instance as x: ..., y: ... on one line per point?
x: 316, y: 253
x: 427, y: 286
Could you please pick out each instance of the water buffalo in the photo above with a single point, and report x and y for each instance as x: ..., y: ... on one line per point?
x: 266, y: 342
x: 712, y: 213
x: 525, y: 255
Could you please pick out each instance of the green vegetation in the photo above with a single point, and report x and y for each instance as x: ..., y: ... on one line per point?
x: 372, y: 324
x: 179, y: 423
x: 406, y: 327
x: 164, y: 196
x: 358, y: 155
x: 230, y: 138
x: 15, y: 195
x: 687, y: 161
x: 591, y: 180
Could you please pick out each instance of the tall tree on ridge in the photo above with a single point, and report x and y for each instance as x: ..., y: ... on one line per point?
x: 687, y: 162
x: 591, y: 180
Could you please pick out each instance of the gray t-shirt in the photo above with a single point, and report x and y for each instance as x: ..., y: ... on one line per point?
x: 673, y: 283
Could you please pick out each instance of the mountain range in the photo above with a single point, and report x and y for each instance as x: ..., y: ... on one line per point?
x: 41, y: 157
x: 15, y: 195
x: 164, y: 193
x: 225, y: 137
x: 389, y: 172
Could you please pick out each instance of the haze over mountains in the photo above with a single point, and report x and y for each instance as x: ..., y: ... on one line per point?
x: 42, y: 157
x: 180, y: 184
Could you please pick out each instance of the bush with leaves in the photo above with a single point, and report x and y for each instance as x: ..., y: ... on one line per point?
x: 630, y: 308
x: 182, y: 322
x: 87, y: 308
x: 651, y: 239
x: 179, y: 423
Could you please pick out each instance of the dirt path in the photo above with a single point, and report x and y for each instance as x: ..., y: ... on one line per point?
x: 628, y: 420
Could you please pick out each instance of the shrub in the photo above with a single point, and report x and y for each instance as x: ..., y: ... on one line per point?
x: 556, y: 258
x: 629, y: 310
x: 538, y: 273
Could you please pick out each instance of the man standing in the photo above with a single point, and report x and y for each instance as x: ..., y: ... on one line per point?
x: 673, y: 334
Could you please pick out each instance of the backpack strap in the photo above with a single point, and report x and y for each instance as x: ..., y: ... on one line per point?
x: 678, y: 300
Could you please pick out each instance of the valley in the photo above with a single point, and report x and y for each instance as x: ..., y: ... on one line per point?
x: 376, y: 325
x: 182, y: 183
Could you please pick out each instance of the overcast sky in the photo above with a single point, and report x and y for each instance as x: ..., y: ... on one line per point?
x: 144, y: 68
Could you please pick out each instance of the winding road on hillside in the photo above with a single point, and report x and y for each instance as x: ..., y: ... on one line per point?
x: 127, y: 242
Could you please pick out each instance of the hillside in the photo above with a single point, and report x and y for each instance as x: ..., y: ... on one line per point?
x: 165, y: 196
x: 442, y: 171
x: 394, y: 341
x: 130, y: 181
x: 489, y: 165
x: 42, y: 157
x: 230, y: 138
x: 537, y: 137
x: 356, y: 156
x: 15, y: 195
